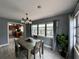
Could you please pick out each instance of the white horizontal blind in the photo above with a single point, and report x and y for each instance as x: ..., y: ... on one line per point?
x: 49, y: 32
x: 34, y: 29
x: 41, y: 30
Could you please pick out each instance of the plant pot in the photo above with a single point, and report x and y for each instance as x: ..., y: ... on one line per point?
x: 63, y: 54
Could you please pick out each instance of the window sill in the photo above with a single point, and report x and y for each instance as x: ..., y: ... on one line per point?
x: 45, y: 36
x: 41, y: 36
x: 48, y: 37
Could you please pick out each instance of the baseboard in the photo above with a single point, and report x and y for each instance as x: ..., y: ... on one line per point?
x: 3, y: 45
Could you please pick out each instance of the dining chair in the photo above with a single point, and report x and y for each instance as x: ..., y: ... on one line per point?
x: 16, y: 48
x: 19, y: 49
x: 36, y: 49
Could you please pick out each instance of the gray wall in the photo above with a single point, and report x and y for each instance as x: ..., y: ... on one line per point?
x: 28, y: 30
x: 62, y: 27
x: 63, y: 22
x: 3, y: 29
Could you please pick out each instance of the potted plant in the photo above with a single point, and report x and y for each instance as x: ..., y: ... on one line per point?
x: 63, y: 44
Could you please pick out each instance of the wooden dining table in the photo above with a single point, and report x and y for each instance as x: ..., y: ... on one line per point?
x: 29, y: 45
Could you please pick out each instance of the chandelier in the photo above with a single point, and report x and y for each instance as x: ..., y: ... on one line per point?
x: 26, y: 20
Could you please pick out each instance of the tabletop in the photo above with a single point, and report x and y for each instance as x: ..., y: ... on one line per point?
x: 27, y: 43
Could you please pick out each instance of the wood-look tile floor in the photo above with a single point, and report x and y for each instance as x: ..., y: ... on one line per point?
x: 8, y: 52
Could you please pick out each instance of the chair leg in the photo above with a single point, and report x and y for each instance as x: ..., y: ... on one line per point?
x: 16, y: 50
x: 39, y: 53
x: 42, y: 48
x: 34, y: 55
x: 27, y: 54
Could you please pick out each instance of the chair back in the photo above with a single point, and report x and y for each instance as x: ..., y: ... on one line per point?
x: 36, y: 47
x: 17, y: 45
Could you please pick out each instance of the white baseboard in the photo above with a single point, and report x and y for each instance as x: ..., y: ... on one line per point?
x: 3, y: 45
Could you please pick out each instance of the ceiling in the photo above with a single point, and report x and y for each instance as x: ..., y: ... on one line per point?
x: 16, y: 9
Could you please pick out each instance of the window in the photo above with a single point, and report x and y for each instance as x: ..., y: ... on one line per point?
x: 77, y: 31
x: 34, y: 30
x: 41, y: 30
x: 74, y: 29
x: 49, y: 32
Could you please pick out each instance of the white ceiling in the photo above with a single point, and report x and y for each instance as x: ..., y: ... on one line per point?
x: 16, y: 9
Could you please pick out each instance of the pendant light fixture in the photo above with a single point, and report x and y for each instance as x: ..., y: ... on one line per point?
x: 26, y: 20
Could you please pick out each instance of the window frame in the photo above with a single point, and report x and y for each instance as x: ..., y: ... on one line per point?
x: 77, y: 34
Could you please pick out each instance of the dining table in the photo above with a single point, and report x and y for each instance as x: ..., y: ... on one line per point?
x: 28, y: 44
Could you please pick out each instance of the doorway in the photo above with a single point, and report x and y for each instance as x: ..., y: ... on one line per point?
x: 15, y: 30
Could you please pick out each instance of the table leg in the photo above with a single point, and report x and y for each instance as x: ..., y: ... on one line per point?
x: 29, y: 54
x: 42, y: 47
